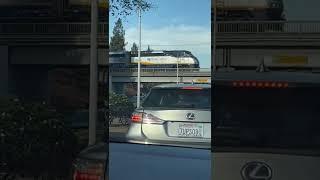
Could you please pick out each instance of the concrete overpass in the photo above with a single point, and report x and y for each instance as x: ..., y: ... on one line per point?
x: 165, y: 75
x: 120, y: 77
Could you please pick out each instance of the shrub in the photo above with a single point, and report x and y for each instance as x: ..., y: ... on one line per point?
x: 34, y: 139
x: 119, y: 106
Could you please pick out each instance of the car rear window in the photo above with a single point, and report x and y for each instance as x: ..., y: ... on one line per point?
x: 253, y: 117
x: 179, y: 98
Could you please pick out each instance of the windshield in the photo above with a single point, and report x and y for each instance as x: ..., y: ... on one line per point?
x: 178, y: 98
x: 267, y: 118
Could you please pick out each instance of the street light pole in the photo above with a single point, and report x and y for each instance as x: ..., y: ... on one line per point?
x: 93, y: 99
x: 139, y: 59
x: 178, y: 69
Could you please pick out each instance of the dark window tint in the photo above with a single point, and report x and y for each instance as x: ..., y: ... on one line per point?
x: 283, y: 118
x: 179, y: 98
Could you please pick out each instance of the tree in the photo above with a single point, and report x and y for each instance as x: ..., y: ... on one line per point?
x: 126, y: 7
x: 117, y: 42
x: 134, y: 48
x: 149, y: 49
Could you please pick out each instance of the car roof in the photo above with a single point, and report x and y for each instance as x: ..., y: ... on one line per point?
x: 181, y: 85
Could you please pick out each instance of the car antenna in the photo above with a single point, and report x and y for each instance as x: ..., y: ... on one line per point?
x: 262, y: 67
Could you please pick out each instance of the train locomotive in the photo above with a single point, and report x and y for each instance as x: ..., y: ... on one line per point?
x: 154, y: 59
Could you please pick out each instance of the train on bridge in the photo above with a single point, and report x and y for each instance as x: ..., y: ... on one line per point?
x: 154, y: 59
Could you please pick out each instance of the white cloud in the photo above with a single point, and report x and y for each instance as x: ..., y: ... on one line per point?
x: 196, y: 38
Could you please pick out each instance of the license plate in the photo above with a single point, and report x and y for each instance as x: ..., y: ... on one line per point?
x: 188, y: 130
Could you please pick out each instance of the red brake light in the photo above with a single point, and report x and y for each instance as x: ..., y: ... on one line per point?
x: 235, y: 84
x: 260, y: 84
x: 136, y: 117
x: 88, y: 170
x: 145, y: 118
x: 84, y: 176
x: 254, y: 84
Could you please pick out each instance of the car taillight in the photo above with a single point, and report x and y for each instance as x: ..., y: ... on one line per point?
x: 151, y: 119
x: 88, y: 170
x: 260, y: 84
x: 136, y: 117
x: 145, y: 118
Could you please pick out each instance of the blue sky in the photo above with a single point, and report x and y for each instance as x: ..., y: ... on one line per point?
x: 173, y: 25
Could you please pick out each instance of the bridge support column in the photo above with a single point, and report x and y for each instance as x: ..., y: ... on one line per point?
x: 4, y: 71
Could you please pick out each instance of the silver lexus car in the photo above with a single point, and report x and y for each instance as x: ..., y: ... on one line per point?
x: 176, y: 114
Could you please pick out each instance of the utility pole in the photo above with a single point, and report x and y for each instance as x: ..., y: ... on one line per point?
x: 93, y: 99
x: 139, y: 59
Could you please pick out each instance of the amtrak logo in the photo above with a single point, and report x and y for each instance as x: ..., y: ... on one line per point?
x: 190, y: 116
x: 256, y: 171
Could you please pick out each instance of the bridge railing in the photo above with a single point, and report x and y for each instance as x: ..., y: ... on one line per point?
x: 223, y: 27
x: 50, y: 28
x: 268, y: 27
x: 158, y: 70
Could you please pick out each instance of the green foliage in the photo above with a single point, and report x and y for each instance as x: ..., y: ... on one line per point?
x: 126, y: 7
x: 149, y: 49
x: 34, y: 139
x: 119, y: 106
x: 134, y: 48
x: 117, y: 42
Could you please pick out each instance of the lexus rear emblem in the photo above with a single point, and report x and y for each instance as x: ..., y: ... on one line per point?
x: 190, y: 116
x: 256, y: 171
